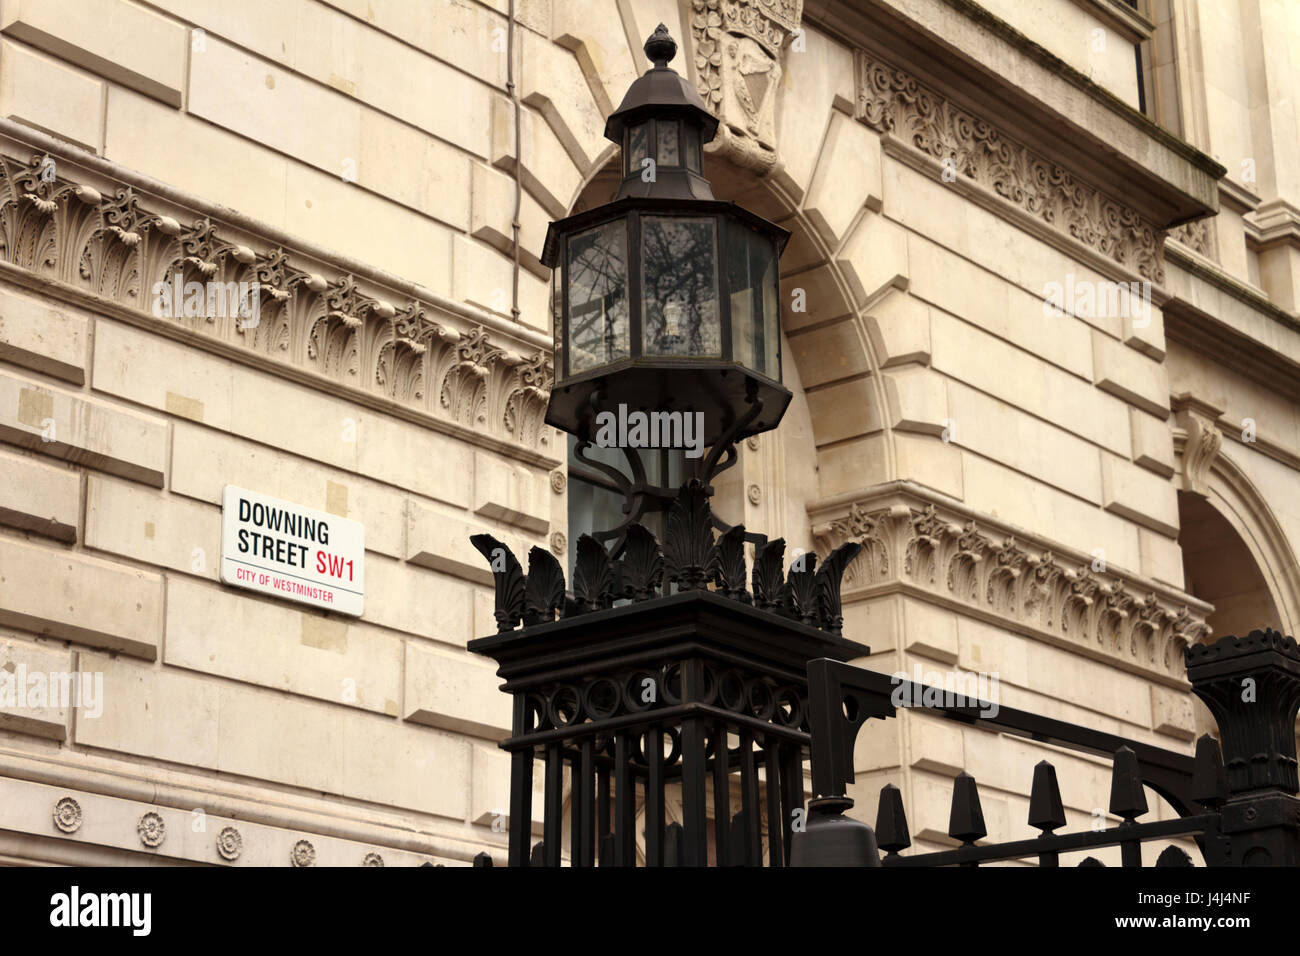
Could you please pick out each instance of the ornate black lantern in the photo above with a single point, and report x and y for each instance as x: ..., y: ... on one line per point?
x: 667, y: 299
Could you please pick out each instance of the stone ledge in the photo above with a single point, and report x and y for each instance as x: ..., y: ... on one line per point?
x: 159, y: 786
x: 1008, y: 78
x: 93, y: 828
x: 942, y: 552
x: 362, y: 331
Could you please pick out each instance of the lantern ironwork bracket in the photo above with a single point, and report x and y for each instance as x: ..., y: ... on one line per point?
x: 641, y: 495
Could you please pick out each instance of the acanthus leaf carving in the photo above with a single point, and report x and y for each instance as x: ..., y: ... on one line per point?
x: 1030, y: 589
x: 1198, y: 421
x: 114, y: 244
x: 891, y: 100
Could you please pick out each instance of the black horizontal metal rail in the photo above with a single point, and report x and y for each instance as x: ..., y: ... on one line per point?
x: 1201, y: 824
x: 833, y: 684
x: 657, y: 717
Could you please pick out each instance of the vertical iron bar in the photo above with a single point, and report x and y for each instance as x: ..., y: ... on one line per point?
x: 575, y: 800
x: 1130, y: 853
x: 624, y: 802
x: 521, y: 805
x: 654, y: 797
x: 753, y: 849
x: 553, y: 822
x: 791, y: 790
x: 602, y: 811
x: 584, y: 819
x: 721, y: 794
x: 521, y: 788
x: 772, y: 765
x: 694, y: 772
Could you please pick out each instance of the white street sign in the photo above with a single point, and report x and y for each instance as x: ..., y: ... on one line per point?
x: 300, y: 554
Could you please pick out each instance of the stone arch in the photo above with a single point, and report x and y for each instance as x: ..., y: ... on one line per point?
x: 1240, y: 506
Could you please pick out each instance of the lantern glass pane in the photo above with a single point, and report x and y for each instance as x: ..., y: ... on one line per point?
x: 692, y: 148
x: 679, y: 269
x: 667, y: 145
x: 637, y: 148
x: 596, y: 272
x: 753, y: 281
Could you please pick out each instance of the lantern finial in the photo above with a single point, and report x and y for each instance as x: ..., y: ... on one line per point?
x: 661, y: 47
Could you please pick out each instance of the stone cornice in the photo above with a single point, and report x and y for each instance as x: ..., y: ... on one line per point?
x: 1268, y: 351
x: 891, y: 101
x: 90, y: 237
x: 946, y: 553
x: 1274, y: 223
x: 985, y: 66
x: 1236, y: 196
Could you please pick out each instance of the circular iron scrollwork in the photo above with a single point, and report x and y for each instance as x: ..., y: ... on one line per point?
x: 538, y: 713
x: 789, y: 707
x: 758, y: 696
x: 731, y: 690
x: 635, y: 687
x: 564, y: 706
x: 674, y: 749
x: 671, y: 682
x: 601, y: 698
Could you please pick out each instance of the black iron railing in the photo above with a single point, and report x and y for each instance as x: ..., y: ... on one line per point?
x: 1240, y: 813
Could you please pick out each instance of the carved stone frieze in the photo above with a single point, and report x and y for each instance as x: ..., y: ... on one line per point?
x: 955, y: 558
x: 738, y: 46
x: 1199, y: 236
x: 891, y: 100
x: 116, y: 248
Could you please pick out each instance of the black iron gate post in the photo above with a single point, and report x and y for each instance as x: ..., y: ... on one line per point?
x: 1251, y: 685
x: 644, y: 687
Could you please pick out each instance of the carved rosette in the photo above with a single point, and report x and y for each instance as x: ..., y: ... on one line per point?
x: 890, y: 100
x: 67, y: 815
x: 738, y: 45
x: 303, y: 854
x: 372, y: 859
x: 958, y: 560
x: 152, y: 829
x: 117, y: 248
x: 229, y: 843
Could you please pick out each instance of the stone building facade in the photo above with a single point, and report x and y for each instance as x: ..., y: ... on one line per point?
x: 1042, y: 329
